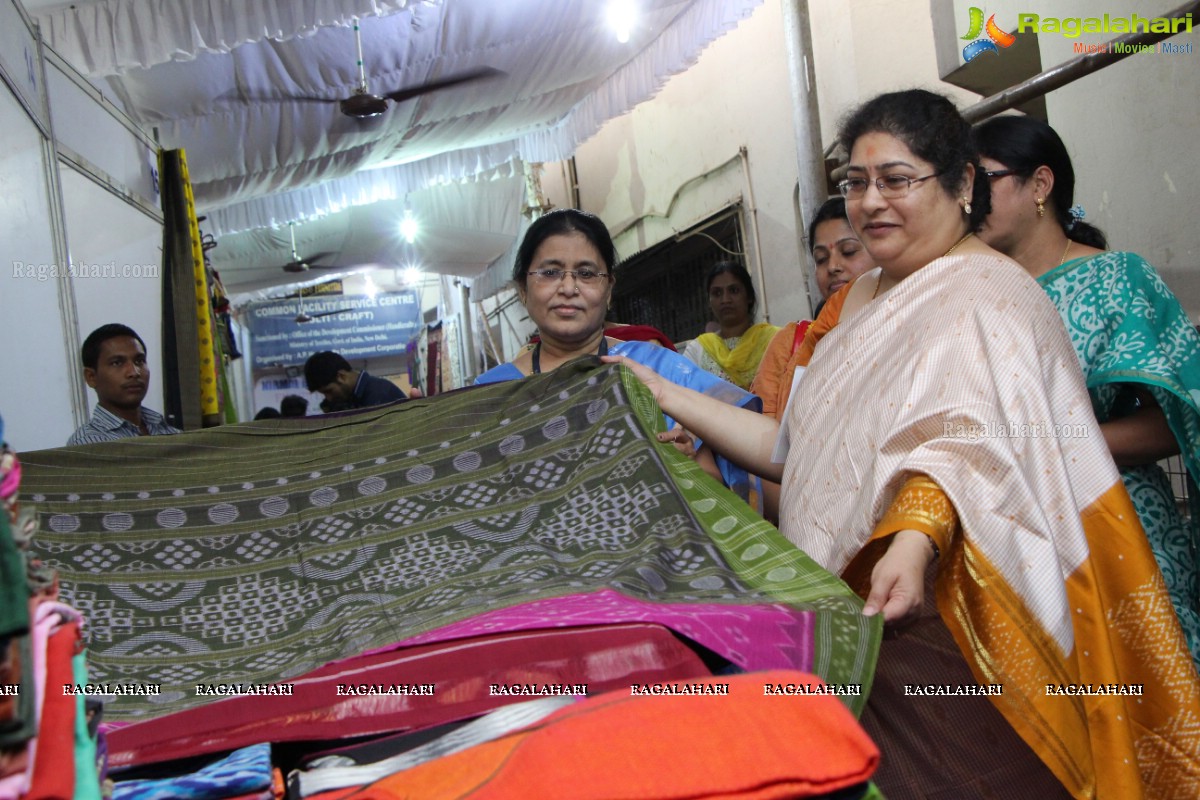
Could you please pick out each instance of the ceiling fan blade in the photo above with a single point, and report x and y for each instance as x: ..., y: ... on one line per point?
x: 239, y: 97
x: 483, y: 73
x: 305, y: 264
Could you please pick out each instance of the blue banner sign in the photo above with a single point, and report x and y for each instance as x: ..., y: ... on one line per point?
x: 357, y: 326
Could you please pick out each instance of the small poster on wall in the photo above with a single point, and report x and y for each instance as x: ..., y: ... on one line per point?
x: 284, y: 333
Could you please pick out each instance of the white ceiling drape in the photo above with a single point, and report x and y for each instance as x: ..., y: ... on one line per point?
x: 110, y: 36
x: 251, y: 90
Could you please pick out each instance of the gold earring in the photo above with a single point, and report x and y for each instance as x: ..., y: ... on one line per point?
x: 1041, y: 206
x: 966, y: 206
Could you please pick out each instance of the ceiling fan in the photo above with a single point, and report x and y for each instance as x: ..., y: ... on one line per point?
x: 363, y: 104
x: 298, y: 264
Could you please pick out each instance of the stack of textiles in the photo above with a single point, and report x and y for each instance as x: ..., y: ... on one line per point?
x: 406, y: 568
x: 47, y: 747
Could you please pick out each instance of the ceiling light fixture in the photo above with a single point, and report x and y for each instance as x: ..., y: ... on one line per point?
x: 622, y: 16
x: 412, y: 275
x: 409, y: 228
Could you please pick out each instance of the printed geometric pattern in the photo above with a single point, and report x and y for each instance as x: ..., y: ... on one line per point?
x: 267, y: 550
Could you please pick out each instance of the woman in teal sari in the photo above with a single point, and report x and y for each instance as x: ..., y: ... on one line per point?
x: 1139, y: 351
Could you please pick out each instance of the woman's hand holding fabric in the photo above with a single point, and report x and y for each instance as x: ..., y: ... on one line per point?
x: 744, y: 437
x: 682, y: 440
x: 898, y: 579
x: 684, y: 443
x: 657, y: 384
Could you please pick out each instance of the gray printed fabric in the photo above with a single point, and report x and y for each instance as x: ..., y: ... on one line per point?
x: 258, y: 552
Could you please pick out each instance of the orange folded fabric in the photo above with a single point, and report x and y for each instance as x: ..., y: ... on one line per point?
x: 746, y: 744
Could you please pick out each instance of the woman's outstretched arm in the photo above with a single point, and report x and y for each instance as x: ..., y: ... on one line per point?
x: 744, y: 437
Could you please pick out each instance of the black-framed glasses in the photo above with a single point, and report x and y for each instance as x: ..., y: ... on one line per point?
x: 584, y: 277
x: 992, y: 174
x: 889, y: 186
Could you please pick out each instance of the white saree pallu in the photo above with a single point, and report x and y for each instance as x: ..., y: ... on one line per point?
x: 963, y: 372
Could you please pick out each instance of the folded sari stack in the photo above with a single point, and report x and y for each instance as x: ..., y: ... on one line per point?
x: 47, y: 749
x: 404, y: 569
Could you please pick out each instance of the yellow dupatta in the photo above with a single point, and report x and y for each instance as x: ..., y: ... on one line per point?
x: 740, y: 363
x: 963, y: 372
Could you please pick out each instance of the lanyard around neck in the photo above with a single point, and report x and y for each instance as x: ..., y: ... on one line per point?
x: 602, y: 350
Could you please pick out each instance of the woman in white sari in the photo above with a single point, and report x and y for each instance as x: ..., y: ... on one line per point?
x: 971, y: 501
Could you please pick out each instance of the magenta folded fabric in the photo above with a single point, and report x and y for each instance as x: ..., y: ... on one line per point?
x: 755, y: 637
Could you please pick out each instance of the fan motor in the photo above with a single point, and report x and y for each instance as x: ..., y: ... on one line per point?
x: 362, y: 105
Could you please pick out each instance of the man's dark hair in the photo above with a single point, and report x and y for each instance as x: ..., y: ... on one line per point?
x: 322, y: 368
x: 267, y: 412
x: 294, y: 406
x: 89, y: 354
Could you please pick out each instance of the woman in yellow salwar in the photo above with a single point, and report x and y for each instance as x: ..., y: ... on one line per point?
x: 734, y: 351
x: 945, y: 460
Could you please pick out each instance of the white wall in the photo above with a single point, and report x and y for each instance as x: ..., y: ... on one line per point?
x: 1131, y: 129
x: 105, y: 234
x: 639, y: 172
x: 36, y: 392
x: 54, y: 219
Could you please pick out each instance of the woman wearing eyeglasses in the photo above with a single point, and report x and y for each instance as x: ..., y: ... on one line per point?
x: 945, y: 461
x: 1139, y: 351
x: 564, y: 277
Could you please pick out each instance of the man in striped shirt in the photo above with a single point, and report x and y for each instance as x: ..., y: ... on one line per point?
x: 114, y: 364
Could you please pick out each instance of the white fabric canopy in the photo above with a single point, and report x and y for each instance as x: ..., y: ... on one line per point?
x: 104, y: 38
x: 251, y: 90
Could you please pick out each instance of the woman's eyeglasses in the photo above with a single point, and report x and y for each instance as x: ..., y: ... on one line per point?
x: 584, y: 277
x: 889, y: 186
x: 999, y: 173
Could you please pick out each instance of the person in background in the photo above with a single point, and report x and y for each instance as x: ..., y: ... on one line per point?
x: 1139, y: 350
x: 564, y: 277
x: 733, y: 352
x: 344, y: 387
x: 839, y: 258
x: 295, y: 406
x: 114, y: 365
x: 946, y: 462
x: 267, y: 412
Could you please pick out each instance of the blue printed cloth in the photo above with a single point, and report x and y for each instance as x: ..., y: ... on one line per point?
x: 241, y: 772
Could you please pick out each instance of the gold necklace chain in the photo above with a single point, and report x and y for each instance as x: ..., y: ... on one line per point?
x: 1066, y: 250
x: 953, y: 247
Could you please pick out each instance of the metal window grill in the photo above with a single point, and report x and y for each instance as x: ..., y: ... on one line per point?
x: 663, y: 286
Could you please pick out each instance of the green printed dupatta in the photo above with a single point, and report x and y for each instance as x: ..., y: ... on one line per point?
x: 1129, y: 331
x: 258, y: 552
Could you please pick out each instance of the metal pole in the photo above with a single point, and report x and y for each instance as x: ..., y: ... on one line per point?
x: 752, y: 211
x: 806, y: 120
x: 471, y: 367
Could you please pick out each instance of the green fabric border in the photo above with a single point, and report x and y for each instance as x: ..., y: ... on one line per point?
x: 846, y: 643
